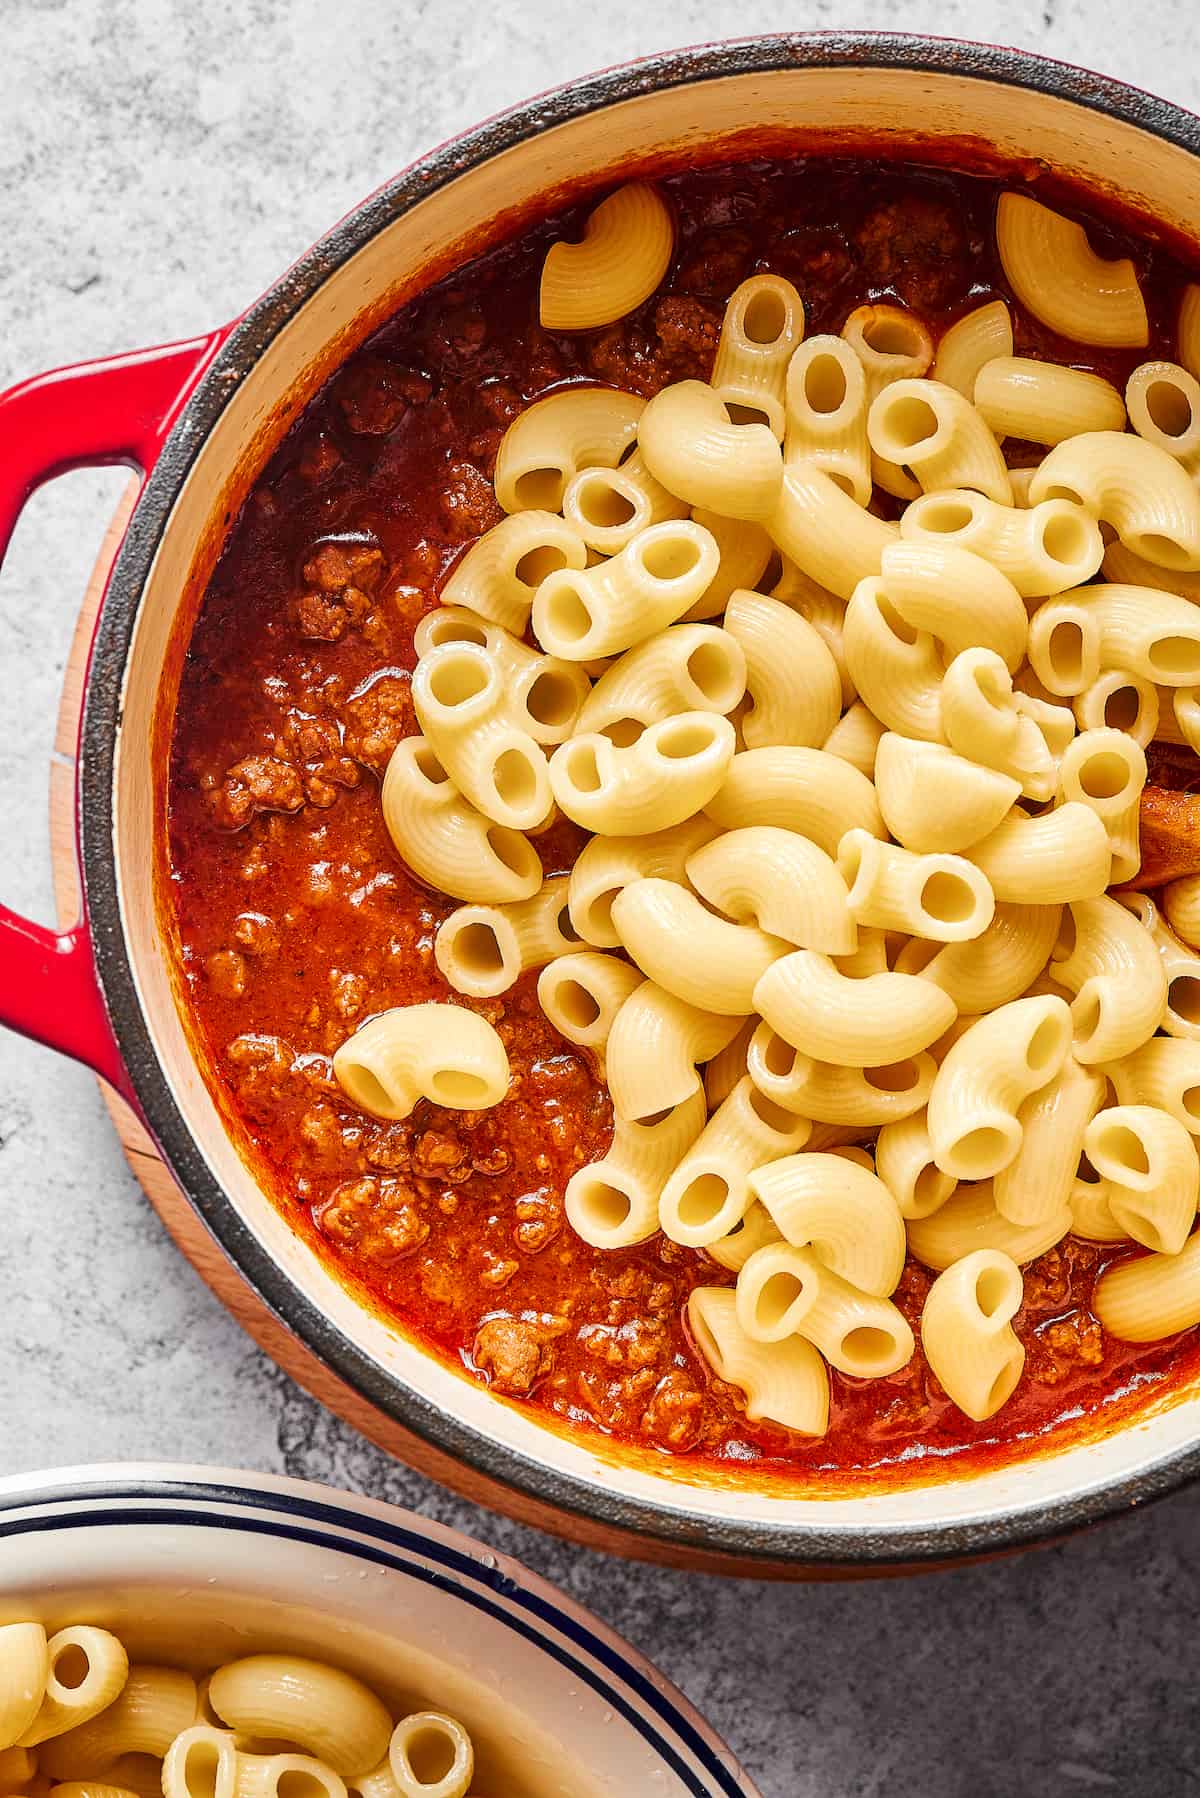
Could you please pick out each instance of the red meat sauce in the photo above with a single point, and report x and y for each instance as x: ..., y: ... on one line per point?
x: 295, y: 919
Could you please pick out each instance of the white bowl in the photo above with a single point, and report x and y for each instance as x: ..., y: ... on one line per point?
x: 194, y: 1565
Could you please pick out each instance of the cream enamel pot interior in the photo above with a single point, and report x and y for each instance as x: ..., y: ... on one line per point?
x: 226, y: 401
x: 197, y: 1565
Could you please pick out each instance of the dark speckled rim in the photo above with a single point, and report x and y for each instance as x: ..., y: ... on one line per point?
x: 799, y: 1545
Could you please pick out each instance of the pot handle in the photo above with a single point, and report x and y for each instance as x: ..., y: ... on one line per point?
x: 93, y: 414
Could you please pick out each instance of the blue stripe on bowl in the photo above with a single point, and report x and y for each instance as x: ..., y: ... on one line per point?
x: 185, y: 1497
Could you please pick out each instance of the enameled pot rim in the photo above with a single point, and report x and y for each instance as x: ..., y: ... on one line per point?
x: 669, y: 1523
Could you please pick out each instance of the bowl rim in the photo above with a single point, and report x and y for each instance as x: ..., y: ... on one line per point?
x: 108, y: 1494
x: 659, y: 1524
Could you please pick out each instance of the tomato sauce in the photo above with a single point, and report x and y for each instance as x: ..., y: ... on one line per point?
x: 294, y: 919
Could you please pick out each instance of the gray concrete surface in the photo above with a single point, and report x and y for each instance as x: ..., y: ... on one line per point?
x: 160, y: 162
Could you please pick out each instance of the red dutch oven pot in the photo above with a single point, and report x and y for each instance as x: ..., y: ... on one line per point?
x: 198, y: 420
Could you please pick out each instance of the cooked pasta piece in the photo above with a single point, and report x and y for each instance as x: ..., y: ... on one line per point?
x: 896, y: 670
x: 1091, y: 1217
x: 607, y: 507
x: 969, y: 344
x: 323, y: 1710
x: 957, y: 597
x: 155, y: 1705
x: 607, y: 864
x: 709, y: 1193
x: 613, y: 1203
x: 605, y: 610
x: 1137, y: 629
x: 1134, y: 486
x: 783, y: 1382
x: 204, y: 1762
x: 1152, y: 1170
x: 830, y: 1094
x: 1177, y: 715
x: 1056, y: 274
x: 1164, y: 408
x: 87, y: 1668
x: 969, y: 1221
x: 1020, y: 480
x: 501, y: 571
x: 1111, y: 964
x: 1045, y: 402
x: 942, y: 897
x: 983, y: 719
x: 855, y: 738
x: 783, y: 1290
x: 1105, y: 769
x: 827, y: 414
x: 581, y: 994
x: 279, y: 1774
x: 1126, y: 569
x: 830, y: 538
x: 431, y: 1756
x: 443, y: 1053
x: 1164, y: 1072
x: 1060, y: 856
x: 839, y: 1210
x: 727, y: 1067
x: 823, y: 610
x: 623, y: 255
x: 807, y: 791
x: 1181, y: 902
x: 1038, y: 1182
x: 1117, y: 700
x: 792, y: 680
x: 995, y: 967
x: 874, y: 954
x: 137, y: 1773
x: 691, y: 444
x: 459, y: 697
x: 482, y: 950
x: 18, y: 1770
x: 891, y: 342
x: 974, y: 1106
x: 654, y: 1046
x: 24, y: 1670
x: 541, y: 694
x: 904, y: 1162
x: 1150, y: 1296
x: 1041, y: 550
x: 547, y: 444
x: 1188, y: 329
x: 1181, y: 965
x: 763, y: 324
x: 744, y: 549
x: 778, y: 881
x: 445, y: 841
x: 967, y: 1333
x: 754, y: 1232
x: 931, y: 429
x: 672, y: 771
x: 689, y: 668
x: 705, y: 960
x: 936, y: 801
x: 806, y: 999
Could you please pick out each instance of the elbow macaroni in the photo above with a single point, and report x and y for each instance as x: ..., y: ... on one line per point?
x: 443, y: 1053
x: 763, y: 324
x: 624, y: 254
x: 967, y: 1334
x: 1054, y: 271
x: 784, y: 1382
